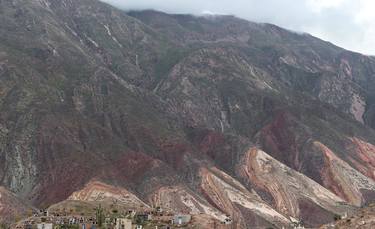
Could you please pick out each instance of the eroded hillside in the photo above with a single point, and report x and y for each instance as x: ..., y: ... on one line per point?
x: 165, y: 109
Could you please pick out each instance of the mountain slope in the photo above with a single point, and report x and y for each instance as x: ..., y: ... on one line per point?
x: 364, y: 218
x: 181, y: 199
x: 246, y: 208
x: 98, y: 192
x: 12, y: 208
x: 63, y: 106
x: 292, y: 193
x: 152, y: 103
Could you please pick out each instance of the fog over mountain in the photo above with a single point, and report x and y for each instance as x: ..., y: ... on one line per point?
x: 347, y: 23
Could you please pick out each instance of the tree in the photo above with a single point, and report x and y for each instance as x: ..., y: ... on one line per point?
x: 17, y: 218
x: 99, y: 215
x: 29, y: 212
x: 3, y: 226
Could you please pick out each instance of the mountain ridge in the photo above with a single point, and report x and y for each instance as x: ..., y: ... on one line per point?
x: 147, y: 101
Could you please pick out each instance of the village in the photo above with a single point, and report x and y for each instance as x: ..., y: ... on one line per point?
x: 102, y: 219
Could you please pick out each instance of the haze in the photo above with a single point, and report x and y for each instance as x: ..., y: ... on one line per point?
x: 346, y: 23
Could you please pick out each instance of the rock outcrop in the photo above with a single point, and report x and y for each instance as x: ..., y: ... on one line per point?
x: 292, y: 193
x: 245, y: 207
x: 180, y: 199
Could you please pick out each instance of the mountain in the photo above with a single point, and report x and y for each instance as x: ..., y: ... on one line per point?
x: 213, y: 115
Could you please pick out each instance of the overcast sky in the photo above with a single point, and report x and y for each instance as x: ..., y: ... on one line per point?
x: 347, y: 23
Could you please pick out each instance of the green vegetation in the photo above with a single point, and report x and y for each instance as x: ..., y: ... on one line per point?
x: 3, y: 226
x: 67, y: 226
x: 169, y: 59
x: 99, y: 216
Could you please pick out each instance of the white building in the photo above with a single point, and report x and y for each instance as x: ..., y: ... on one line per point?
x: 181, y: 219
x: 123, y: 223
x: 44, y: 226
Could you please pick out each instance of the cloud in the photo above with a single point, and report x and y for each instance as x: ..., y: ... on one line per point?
x: 347, y: 23
x: 319, y: 5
